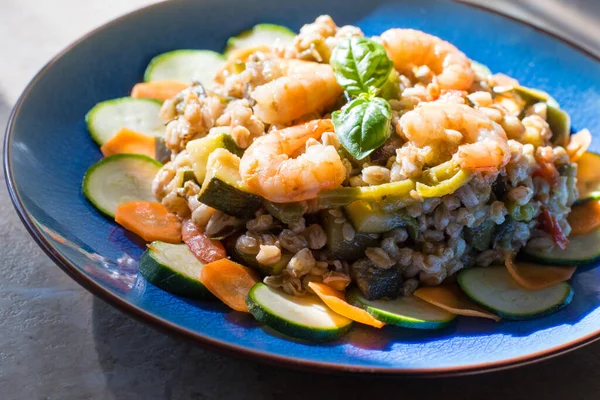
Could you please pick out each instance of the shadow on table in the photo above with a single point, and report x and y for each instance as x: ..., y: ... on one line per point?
x: 141, y: 363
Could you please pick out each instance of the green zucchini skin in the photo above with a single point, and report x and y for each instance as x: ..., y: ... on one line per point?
x: 472, y: 288
x: 167, y: 277
x: 229, y: 199
x: 337, y: 246
x: 411, y: 306
x: 583, y: 249
x: 288, y: 327
x: 94, y: 180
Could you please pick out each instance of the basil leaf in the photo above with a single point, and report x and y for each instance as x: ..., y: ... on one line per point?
x: 363, y: 125
x: 360, y: 64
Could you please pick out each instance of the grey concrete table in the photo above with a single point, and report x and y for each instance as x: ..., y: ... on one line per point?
x: 59, y: 342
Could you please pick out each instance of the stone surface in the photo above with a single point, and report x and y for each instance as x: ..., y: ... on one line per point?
x: 59, y: 342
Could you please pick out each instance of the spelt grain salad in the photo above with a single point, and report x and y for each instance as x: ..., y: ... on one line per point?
x: 325, y: 178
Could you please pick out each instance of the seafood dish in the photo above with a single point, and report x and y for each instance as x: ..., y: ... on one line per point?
x: 325, y: 178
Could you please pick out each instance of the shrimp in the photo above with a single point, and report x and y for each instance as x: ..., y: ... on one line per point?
x: 409, y: 48
x: 268, y: 166
x: 481, y: 143
x: 305, y: 87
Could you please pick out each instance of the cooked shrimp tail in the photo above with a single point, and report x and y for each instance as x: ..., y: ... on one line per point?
x: 275, y: 168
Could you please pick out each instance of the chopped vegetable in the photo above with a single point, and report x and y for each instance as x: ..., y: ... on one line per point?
x: 223, y: 188
x: 579, y: 144
x: 140, y: 115
x: 369, y: 219
x: 206, y: 250
x: 346, y: 195
x: 480, y: 237
x: 494, y: 289
x: 337, y: 245
x: 150, y: 221
x: 158, y: 90
x: 560, y: 125
x: 583, y: 249
x: 337, y: 302
x: 550, y: 225
x: 200, y: 149
x: 229, y: 281
x: 299, y: 317
x: 537, y: 277
x: 259, y: 35
x: 185, y: 66
x: 407, y: 312
x: 585, y: 218
x: 547, y: 170
x: 588, y: 176
x: 287, y: 213
x: 445, y: 187
x: 127, y: 141
x: 452, y: 299
x: 173, y: 267
x: 118, y: 179
x: 376, y: 283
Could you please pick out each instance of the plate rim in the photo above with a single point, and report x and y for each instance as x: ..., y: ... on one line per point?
x: 235, y: 350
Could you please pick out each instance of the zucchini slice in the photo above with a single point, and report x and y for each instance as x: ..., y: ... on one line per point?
x: 185, y: 66
x: 337, y: 246
x: 261, y: 34
x: 299, y: 317
x: 249, y: 260
x: 288, y: 213
x: 346, y: 195
x: 583, y: 249
x: 200, y: 149
x: 368, y: 219
x: 174, y: 268
x: 119, y: 179
x: 588, y: 177
x: 407, y: 312
x: 494, y: 289
x: 140, y: 115
x: 223, y: 189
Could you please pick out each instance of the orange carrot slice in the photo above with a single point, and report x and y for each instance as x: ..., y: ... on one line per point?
x: 452, y: 299
x: 229, y: 281
x: 585, y: 218
x: 579, y: 144
x: 337, y: 302
x: 127, y: 141
x: 157, y: 90
x: 151, y: 221
x: 206, y: 250
x: 537, y: 277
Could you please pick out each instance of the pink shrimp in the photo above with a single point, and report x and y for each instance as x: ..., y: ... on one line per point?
x: 481, y: 143
x: 269, y: 169
x: 409, y: 48
x: 305, y: 87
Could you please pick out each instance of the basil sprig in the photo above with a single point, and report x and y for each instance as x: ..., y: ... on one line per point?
x: 362, y: 68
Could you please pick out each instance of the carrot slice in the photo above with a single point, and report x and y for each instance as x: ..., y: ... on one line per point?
x: 158, y: 90
x: 451, y: 298
x: 229, y: 281
x: 585, y: 218
x: 579, y: 144
x: 127, y: 141
x: 206, y: 250
x: 337, y: 302
x: 537, y: 277
x: 151, y: 221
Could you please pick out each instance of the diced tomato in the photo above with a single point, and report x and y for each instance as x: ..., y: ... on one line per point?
x: 189, y: 229
x: 550, y: 225
x: 548, y: 171
x: 206, y: 250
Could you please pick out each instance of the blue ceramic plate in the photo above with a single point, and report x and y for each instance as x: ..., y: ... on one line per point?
x: 48, y: 150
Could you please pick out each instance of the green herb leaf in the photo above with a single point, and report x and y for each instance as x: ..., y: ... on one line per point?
x: 360, y: 64
x: 363, y: 125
